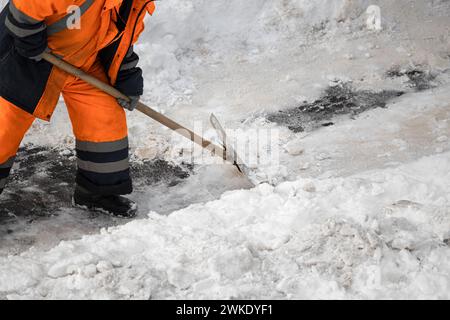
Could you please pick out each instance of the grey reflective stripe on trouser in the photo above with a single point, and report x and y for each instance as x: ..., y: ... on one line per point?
x: 102, y: 146
x: 22, y: 32
x: 2, y: 183
x: 109, y: 167
x: 8, y: 163
x: 93, y: 150
x: 103, y: 167
x: 20, y: 16
x: 61, y: 24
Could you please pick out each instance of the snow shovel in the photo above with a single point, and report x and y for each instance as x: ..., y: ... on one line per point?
x: 226, y: 152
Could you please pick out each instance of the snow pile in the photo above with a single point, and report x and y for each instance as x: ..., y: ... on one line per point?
x: 216, y: 30
x: 228, y: 25
x: 382, y: 234
x: 206, y: 35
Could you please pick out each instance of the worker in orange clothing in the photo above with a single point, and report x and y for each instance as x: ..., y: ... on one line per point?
x: 96, y: 36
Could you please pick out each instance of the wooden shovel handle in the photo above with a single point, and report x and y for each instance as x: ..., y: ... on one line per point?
x: 189, y: 134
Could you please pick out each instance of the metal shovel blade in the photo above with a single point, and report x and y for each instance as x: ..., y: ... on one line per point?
x: 231, y: 154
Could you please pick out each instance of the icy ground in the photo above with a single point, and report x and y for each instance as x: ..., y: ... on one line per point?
x: 357, y: 207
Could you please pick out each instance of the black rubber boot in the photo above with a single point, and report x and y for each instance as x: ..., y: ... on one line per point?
x: 113, y: 205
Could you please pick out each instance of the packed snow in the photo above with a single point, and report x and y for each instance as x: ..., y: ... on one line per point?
x: 381, y: 234
x: 358, y: 209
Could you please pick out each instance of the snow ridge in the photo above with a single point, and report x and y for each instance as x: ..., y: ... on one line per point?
x: 381, y: 234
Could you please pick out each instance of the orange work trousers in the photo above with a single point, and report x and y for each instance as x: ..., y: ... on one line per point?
x: 100, y: 127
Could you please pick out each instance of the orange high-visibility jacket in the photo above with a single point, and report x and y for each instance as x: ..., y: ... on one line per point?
x: 79, y: 31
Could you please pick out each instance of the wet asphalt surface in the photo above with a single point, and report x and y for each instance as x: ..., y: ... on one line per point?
x: 342, y: 100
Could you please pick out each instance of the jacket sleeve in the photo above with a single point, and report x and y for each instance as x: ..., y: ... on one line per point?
x: 26, y: 23
x: 30, y: 34
x: 129, y: 79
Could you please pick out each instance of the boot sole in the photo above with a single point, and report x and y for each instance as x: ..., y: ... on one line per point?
x: 103, y: 211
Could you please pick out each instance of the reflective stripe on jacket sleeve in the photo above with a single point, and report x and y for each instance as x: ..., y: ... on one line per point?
x: 20, y: 24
